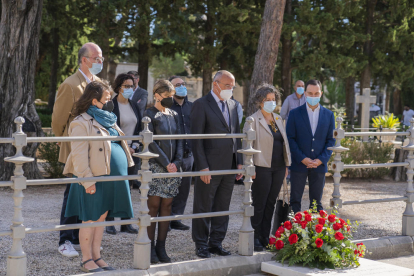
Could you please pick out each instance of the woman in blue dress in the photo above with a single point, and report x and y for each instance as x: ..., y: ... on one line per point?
x: 91, y: 201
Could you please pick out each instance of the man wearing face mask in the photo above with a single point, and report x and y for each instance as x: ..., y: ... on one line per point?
x: 294, y: 100
x: 140, y: 95
x: 214, y: 113
x: 183, y: 107
x: 90, y: 62
x: 310, y: 134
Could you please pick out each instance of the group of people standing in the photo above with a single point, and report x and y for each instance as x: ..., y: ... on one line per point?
x: 88, y: 106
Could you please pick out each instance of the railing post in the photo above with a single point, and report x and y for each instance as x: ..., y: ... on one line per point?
x: 408, y: 215
x: 142, y: 245
x: 337, y: 164
x: 16, y: 260
x: 246, y: 236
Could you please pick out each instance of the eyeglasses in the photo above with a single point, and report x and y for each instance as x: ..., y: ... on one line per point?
x: 228, y: 86
x: 128, y: 86
x: 98, y: 59
x: 180, y: 84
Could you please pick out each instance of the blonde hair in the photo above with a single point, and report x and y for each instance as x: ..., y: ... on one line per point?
x: 163, y: 86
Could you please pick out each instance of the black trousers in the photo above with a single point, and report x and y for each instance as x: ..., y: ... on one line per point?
x: 265, y: 189
x: 180, y: 200
x: 213, y: 197
x: 68, y: 235
x: 316, y: 185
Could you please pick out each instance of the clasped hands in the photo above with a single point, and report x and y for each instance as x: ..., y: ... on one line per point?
x: 207, y: 178
x: 311, y: 164
x: 171, y: 168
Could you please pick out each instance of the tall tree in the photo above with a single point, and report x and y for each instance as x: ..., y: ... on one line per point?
x: 19, y: 45
x: 267, y: 49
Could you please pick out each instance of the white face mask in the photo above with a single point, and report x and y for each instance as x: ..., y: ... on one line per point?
x: 225, y: 94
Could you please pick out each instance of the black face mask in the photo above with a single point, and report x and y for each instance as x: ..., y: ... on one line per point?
x: 167, y: 102
x: 109, y: 106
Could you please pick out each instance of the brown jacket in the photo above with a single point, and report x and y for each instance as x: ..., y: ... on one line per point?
x: 264, y: 140
x: 91, y: 158
x: 68, y: 93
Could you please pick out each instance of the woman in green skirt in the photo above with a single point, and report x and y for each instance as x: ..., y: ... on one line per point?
x: 94, y: 201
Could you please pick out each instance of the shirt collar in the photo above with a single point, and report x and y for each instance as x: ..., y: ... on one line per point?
x: 316, y: 109
x: 86, y: 78
x: 215, y: 97
x: 185, y: 100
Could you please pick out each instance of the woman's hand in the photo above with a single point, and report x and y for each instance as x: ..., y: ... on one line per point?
x: 287, y: 172
x: 131, y: 150
x: 254, y: 176
x: 91, y: 190
x: 171, y: 168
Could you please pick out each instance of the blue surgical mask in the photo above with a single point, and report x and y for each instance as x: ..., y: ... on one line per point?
x: 181, y: 91
x: 96, y: 68
x: 313, y: 100
x: 127, y: 93
x: 269, y: 106
x: 300, y: 90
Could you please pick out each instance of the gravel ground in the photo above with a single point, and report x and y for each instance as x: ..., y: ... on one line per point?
x: 42, y: 206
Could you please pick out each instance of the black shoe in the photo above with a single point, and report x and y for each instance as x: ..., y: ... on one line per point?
x: 264, y: 241
x: 178, y: 225
x: 161, y: 253
x: 154, y: 257
x: 219, y: 251
x: 111, y: 230
x: 258, y: 245
x: 129, y: 229
x: 203, y: 252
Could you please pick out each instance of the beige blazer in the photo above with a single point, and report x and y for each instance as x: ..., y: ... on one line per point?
x: 91, y: 158
x: 264, y: 140
x: 68, y: 93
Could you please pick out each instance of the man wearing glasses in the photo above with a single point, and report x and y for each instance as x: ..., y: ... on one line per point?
x: 90, y: 62
x: 140, y: 95
x: 183, y: 107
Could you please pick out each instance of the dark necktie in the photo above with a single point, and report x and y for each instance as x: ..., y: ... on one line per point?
x: 223, y: 108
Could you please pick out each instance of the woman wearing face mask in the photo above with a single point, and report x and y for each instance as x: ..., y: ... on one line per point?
x: 271, y: 163
x: 129, y: 120
x: 93, y: 201
x: 164, y: 121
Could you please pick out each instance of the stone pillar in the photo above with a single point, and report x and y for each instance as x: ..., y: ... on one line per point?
x: 142, y: 245
x: 16, y: 260
x: 408, y: 215
x: 246, y: 235
x: 337, y: 164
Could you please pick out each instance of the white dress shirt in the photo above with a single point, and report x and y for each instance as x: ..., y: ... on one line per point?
x: 86, y: 78
x: 226, y: 108
x: 313, y: 117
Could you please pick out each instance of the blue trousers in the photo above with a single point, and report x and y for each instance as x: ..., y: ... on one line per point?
x: 316, y: 185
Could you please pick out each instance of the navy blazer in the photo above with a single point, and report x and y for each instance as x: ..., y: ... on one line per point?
x: 303, y: 144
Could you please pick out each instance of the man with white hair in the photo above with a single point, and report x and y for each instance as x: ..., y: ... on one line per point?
x: 90, y: 64
x: 293, y: 100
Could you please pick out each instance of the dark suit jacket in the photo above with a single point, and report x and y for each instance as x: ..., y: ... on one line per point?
x: 303, y: 144
x: 136, y: 111
x: 140, y: 97
x: 206, y: 118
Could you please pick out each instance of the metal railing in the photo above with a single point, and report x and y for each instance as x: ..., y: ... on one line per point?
x: 338, y: 166
x: 17, y: 260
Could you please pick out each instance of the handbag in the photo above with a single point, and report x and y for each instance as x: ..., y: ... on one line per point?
x: 282, y: 207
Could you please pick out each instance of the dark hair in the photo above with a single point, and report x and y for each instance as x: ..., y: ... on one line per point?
x: 313, y: 82
x: 120, y: 79
x: 163, y: 86
x: 407, y: 105
x: 262, y: 92
x: 93, y: 90
x: 134, y: 73
x: 174, y: 77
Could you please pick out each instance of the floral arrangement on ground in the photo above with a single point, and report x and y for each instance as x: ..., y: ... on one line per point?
x: 316, y: 239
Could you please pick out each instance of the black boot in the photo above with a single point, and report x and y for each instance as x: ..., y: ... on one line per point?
x: 154, y: 257
x: 129, y: 229
x: 257, y: 245
x: 110, y: 229
x: 162, y: 255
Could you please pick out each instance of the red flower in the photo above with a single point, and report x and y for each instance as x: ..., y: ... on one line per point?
x: 360, y: 254
x: 356, y: 252
x: 331, y: 218
x: 303, y: 224
x: 318, y: 228
x: 321, y: 221
x: 342, y: 221
x: 348, y: 229
x: 272, y: 240
x: 337, y: 226
x: 279, y: 244
x: 288, y: 225
x: 278, y: 234
x: 281, y: 229
x: 339, y: 236
x: 322, y: 213
x: 319, y: 242
x: 293, y: 239
x: 306, y: 212
x: 359, y: 244
x: 308, y: 218
x: 298, y: 216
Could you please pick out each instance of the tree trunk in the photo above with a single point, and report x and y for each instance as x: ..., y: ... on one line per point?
x: 142, y: 29
x: 387, y: 99
x: 104, y: 44
x: 286, y: 55
x: 19, y: 46
x: 209, y: 59
x: 267, y: 49
x: 350, y: 99
x: 397, y: 101
x: 54, y: 69
x: 246, y: 90
x: 143, y: 63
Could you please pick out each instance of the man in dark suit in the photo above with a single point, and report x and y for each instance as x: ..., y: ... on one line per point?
x: 214, y: 113
x: 310, y: 132
x: 140, y: 95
